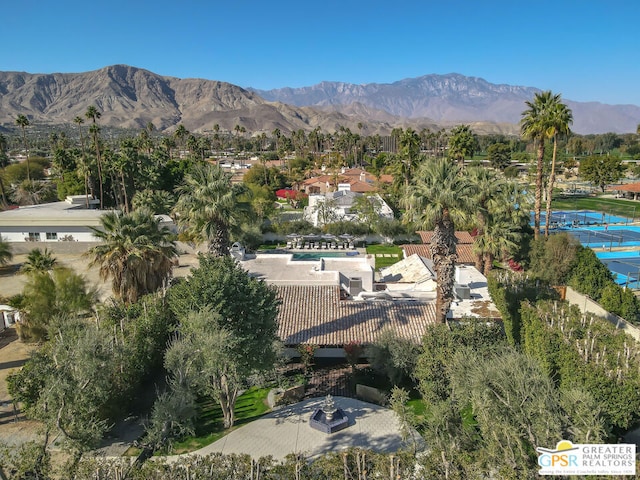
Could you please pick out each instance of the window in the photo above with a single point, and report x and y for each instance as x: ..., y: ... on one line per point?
x: 52, y: 236
x: 34, y: 237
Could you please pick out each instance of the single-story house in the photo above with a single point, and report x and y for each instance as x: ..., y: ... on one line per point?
x: 50, y: 222
x: 339, y: 206
x: 330, y: 301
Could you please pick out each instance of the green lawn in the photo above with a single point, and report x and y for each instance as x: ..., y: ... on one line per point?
x: 249, y: 406
x: 391, y: 250
x: 623, y: 208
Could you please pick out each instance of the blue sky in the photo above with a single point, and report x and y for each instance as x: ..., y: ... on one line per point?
x: 586, y: 50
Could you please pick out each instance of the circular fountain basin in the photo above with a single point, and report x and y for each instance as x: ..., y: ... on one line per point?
x: 338, y: 422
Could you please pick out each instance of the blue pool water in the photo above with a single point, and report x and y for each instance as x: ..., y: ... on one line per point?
x: 319, y: 255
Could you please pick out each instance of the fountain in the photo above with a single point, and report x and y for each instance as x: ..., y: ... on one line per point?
x: 329, y: 418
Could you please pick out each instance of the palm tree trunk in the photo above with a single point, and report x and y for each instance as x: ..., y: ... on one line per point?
x: 124, y: 191
x: 488, y: 263
x: 538, y: 194
x: 443, y: 252
x: 552, y: 179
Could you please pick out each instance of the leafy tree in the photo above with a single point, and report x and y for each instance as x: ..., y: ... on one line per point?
x: 136, y: 252
x: 204, y: 356
x: 620, y: 301
x: 515, y: 404
x: 601, y: 170
x: 66, y: 384
x: 553, y: 258
x: 49, y: 296
x: 499, y: 155
x: 172, y: 417
x: 245, y: 311
x: 39, y: 261
x: 439, y: 198
x: 393, y: 356
x: 590, y: 275
x: 208, y: 208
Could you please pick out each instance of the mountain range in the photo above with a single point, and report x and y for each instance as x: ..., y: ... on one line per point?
x: 131, y: 97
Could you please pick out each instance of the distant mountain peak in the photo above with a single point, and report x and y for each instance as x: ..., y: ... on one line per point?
x: 131, y: 97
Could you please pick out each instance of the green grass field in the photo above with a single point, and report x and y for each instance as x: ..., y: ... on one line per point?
x: 623, y: 208
x: 382, y: 262
x: 249, y: 406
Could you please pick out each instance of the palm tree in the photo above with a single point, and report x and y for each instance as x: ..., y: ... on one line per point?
x: 5, y: 252
x: 560, y: 117
x: 462, y: 143
x: 93, y: 114
x: 409, y: 151
x: 83, y: 168
x: 23, y: 123
x: 39, y: 261
x: 439, y: 197
x: 208, y: 207
x: 534, y: 125
x: 485, y: 186
x: 499, y: 238
x: 136, y: 252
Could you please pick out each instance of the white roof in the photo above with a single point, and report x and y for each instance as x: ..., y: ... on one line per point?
x: 51, y: 214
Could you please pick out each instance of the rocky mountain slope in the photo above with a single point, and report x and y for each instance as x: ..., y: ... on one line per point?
x: 454, y: 98
x: 131, y: 97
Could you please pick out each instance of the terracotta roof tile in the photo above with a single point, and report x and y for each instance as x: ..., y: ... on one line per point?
x: 315, y: 314
x: 463, y: 237
x: 464, y: 251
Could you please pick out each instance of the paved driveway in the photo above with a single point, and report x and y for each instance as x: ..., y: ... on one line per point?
x: 287, y: 431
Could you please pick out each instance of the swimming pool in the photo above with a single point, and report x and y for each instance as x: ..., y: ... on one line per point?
x: 319, y: 255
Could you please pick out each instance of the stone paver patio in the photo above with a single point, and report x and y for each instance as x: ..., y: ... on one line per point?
x: 287, y: 430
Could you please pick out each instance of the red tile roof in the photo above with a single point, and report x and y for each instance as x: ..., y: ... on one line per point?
x: 464, y: 251
x: 628, y: 187
x: 463, y: 237
x: 315, y: 314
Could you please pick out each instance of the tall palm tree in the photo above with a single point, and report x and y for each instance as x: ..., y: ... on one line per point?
x: 83, y: 168
x: 485, y: 186
x: 136, y: 252
x: 439, y: 197
x: 409, y: 151
x: 5, y: 252
x: 23, y: 123
x: 93, y: 114
x: 560, y: 117
x: 209, y: 207
x: 534, y: 125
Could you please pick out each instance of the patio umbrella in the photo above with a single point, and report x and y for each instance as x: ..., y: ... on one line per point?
x: 346, y: 236
x: 293, y: 235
